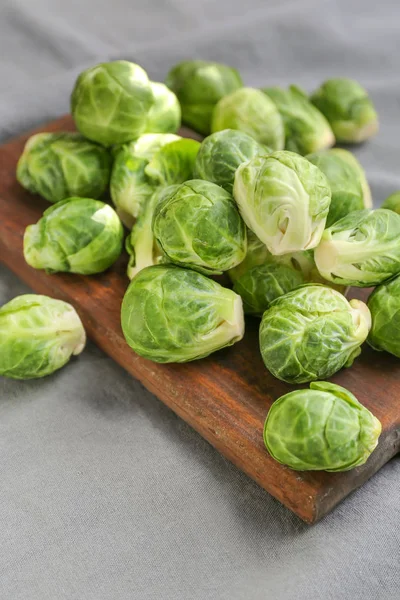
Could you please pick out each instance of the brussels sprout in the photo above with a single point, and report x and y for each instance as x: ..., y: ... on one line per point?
x: 392, y: 202
x: 284, y: 200
x: 362, y: 249
x: 171, y: 314
x: 59, y: 165
x: 141, y: 244
x: 76, y: 235
x: 250, y: 111
x: 324, y: 428
x: 345, y: 184
x: 348, y: 108
x: 306, y: 129
x: 221, y: 153
x: 259, y: 286
x: 384, y: 304
x: 199, y: 85
x: 142, y: 166
x: 111, y: 101
x: 38, y: 335
x: 197, y: 225
x: 354, y: 163
x: 165, y: 114
x: 312, y: 332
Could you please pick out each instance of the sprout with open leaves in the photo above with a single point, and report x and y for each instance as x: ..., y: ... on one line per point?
x: 171, y: 314
x: 312, y: 332
x: 76, y: 235
x: 348, y: 108
x: 384, y: 304
x: 38, y: 335
x: 324, y: 428
x: 306, y: 128
x: 392, y: 202
x: 284, y: 200
x: 199, y: 85
x: 362, y: 249
x: 198, y: 225
x: 222, y: 152
x: 250, y: 111
x: 111, y: 101
x: 153, y: 161
x: 165, y: 114
x: 60, y: 165
x: 345, y: 183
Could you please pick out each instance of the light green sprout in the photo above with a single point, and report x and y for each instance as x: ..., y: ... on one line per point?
x: 345, y: 183
x: 171, y: 314
x: 141, y: 167
x: 348, y: 108
x: 60, y: 165
x: 222, y: 152
x: 199, y: 85
x: 250, y: 111
x: 312, y: 332
x: 76, y: 235
x: 392, y: 202
x: 38, y: 335
x: 384, y: 304
x: 198, y: 225
x: 362, y: 249
x: 165, y: 114
x: 141, y: 244
x: 111, y: 101
x: 284, y: 200
x: 261, y: 285
x: 355, y: 164
x: 306, y: 128
x: 324, y: 428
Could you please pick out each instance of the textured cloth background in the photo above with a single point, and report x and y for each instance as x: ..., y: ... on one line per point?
x: 104, y: 493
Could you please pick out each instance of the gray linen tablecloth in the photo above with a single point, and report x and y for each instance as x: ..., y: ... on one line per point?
x: 104, y: 493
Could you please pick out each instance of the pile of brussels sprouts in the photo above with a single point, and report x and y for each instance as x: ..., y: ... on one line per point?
x: 263, y: 198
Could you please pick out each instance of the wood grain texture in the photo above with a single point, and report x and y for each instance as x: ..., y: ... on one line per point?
x: 225, y: 397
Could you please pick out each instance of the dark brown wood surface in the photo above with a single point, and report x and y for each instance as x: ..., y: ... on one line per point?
x: 224, y: 397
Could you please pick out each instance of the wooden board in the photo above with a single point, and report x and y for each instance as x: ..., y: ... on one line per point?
x: 225, y: 397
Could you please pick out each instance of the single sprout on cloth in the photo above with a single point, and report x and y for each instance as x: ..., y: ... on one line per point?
x: 362, y: 249
x: 199, y: 85
x: 311, y: 333
x: 76, y: 235
x: 392, y: 202
x: 324, y: 428
x: 345, y: 183
x: 38, y: 335
x: 261, y: 285
x: 384, y: 304
x: 165, y: 114
x: 141, y: 245
x: 141, y: 167
x: 171, y: 314
x: 306, y: 128
x: 111, y: 101
x: 222, y: 152
x: 348, y: 108
x: 250, y: 111
x: 198, y: 226
x: 60, y: 165
x: 284, y: 200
